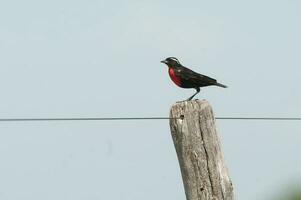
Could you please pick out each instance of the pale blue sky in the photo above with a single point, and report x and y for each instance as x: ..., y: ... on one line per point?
x: 102, y: 59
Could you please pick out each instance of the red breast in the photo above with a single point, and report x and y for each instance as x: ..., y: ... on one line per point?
x: 173, y: 77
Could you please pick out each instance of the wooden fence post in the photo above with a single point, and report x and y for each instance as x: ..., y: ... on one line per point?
x: 204, y: 173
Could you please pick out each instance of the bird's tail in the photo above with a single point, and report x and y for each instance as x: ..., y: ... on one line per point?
x: 221, y: 85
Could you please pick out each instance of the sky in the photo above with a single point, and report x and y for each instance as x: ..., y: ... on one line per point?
x: 102, y: 59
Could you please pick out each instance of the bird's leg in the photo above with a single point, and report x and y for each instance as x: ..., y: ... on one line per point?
x: 197, y: 91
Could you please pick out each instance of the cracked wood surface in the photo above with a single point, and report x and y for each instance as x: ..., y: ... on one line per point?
x: 203, y: 169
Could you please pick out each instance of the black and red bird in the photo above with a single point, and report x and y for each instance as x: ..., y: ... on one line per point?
x: 186, y: 78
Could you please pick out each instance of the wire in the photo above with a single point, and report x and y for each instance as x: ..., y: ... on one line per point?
x: 84, y: 119
x: 261, y: 118
x: 140, y: 118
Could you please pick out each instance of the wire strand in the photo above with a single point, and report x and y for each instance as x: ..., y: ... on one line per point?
x: 140, y: 118
x: 85, y: 119
x: 260, y: 118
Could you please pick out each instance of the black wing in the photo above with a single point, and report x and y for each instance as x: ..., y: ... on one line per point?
x: 193, y: 79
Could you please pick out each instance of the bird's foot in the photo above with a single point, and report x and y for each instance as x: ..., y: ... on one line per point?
x: 197, y: 91
x: 189, y: 99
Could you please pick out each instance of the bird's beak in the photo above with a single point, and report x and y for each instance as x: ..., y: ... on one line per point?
x: 164, y: 61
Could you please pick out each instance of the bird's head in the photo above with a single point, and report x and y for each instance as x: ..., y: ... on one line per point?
x: 171, y: 61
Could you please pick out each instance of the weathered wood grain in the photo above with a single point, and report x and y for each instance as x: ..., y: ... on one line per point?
x: 204, y: 173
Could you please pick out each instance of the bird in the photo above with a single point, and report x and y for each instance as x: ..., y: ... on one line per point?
x: 186, y: 78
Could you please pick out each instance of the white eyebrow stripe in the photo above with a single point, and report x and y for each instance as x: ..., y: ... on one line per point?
x: 174, y: 59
